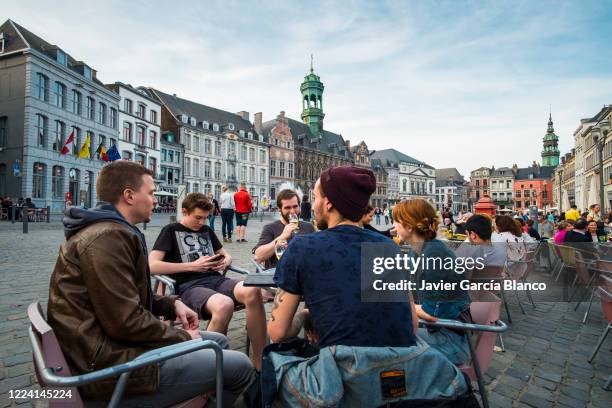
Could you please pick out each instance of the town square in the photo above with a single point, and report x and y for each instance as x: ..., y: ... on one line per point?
x: 343, y: 204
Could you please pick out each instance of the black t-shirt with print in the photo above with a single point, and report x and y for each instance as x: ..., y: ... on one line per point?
x: 182, y: 245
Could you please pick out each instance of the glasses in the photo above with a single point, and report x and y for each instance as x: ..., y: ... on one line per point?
x: 280, y: 248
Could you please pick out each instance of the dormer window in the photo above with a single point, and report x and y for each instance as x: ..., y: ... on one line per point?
x: 230, y: 126
x: 61, y: 58
x: 251, y: 135
x: 241, y: 133
x: 216, y: 127
x: 87, y: 72
x: 3, y: 41
x: 192, y: 121
x: 205, y: 124
x: 184, y: 118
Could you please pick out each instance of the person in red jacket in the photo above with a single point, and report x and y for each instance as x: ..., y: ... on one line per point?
x: 243, y: 207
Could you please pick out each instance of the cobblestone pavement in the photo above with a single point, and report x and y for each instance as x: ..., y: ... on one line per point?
x: 545, y: 362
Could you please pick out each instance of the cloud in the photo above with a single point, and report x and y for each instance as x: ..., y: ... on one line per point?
x: 452, y: 86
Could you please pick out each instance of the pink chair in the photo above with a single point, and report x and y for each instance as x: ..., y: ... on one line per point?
x: 52, y: 370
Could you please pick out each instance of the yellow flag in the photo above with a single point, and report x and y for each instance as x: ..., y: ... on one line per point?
x: 84, y: 152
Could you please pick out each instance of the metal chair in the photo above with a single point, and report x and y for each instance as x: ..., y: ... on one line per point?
x: 485, y: 315
x: 52, y: 370
x: 605, y: 293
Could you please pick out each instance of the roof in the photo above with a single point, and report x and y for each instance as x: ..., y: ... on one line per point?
x: 303, y: 137
x: 544, y: 172
x: 394, y: 156
x: 179, y: 106
x: 502, y: 172
x: 24, y: 38
x: 443, y: 175
x: 141, y: 91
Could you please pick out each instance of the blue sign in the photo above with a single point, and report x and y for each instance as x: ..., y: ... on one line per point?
x: 16, y: 168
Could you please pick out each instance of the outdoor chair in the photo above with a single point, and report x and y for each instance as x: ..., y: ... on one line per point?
x: 554, y: 259
x: 481, y: 336
x: 588, y: 275
x: 53, y: 371
x: 605, y: 293
x: 496, y: 273
x: 519, y: 271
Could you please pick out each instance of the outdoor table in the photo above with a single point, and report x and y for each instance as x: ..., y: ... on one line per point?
x: 263, y: 279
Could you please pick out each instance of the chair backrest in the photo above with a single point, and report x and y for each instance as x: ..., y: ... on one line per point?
x: 489, y: 272
x: 582, y: 270
x: 51, y: 354
x: 485, y: 310
x: 604, y: 265
x: 568, y: 254
x: 605, y: 293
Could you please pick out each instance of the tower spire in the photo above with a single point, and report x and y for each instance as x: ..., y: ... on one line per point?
x: 311, y: 63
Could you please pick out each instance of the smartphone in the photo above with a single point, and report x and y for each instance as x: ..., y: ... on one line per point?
x: 217, y: 258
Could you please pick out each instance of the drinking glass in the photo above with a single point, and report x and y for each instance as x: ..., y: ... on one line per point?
x: 280, y: 248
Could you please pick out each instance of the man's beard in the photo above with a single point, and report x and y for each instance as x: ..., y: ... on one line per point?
x: 321, y: 223
x: 285, y: 217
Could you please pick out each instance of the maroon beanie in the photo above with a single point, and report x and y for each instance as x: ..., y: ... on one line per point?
x: 349, y: 189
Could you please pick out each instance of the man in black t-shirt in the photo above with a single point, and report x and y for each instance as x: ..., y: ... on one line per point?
x: 192, y: 255
x: 288, y: 203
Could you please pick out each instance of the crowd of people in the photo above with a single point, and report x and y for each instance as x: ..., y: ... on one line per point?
x: 8, y: 205
x: 104, y: 311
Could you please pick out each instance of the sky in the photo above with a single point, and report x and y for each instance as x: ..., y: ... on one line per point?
x: 458, y: 84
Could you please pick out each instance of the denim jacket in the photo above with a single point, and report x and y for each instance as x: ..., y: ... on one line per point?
x: 343, y: 376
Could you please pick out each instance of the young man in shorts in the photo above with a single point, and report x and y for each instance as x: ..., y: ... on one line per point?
x: 192, y: 255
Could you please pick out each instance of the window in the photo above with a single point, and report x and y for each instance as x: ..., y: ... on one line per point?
x: 41, y: 130
x: 4, y: 130
x: 76, y: 102
x: 140, y: 135
x: 207, y: 189
x: 262, y: 176
x: 113, y: 118
x: 39, y: 180
x: 281, y: 169
x: 153, y: 116
x: 217, y: 170
x: 243, y: 173
x: 217, y: 148
x: 103, y: 143
x: 196, y: 168
x: 152, y: 139
x: 251, y: 154
x: 125, y: 155
x: 57, y: 183
x: 231, y: 126
x: 60, y: 131
x: 87, y: 72
x: 272, y: 168
x: 140, y: 159
x: 91, y: 108
x: 207, y: 146
x: 41, y: 87
x: 76, y: 143
x: 192, y: 121
x: 183, y: 118
x: 196, y: 144
x: 188, y: 142
x: 217, y: 191
x: 187, y: 165
x: 59, y: 92
x: 2, y: 176
x: 127, y: 131
x: 251, y: 135
x: 127, y: 106
x: 232, y: 148
x: 164, y: 154
x: 207, y: 169
x: 205, y: 125
x: 178, y: 157
x: 262, y: 156
x: 251, y: 174
x: 290, y: 170
x: 142, y: 111
x: 196, y: 187
x: 252, y: 192
x: 216, y: 127
x: 61, y: 58
x: 243, y: 153
x: 101, y: 113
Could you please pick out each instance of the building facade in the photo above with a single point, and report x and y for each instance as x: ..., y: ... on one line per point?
x: 533, y: 186
x: 45, y: 96
x: 171, y: 166
x: 139, y: 121
x: 480, y: 179
x: 502, y: 187
x: 282, y: 158
x: 451, y: 190
x: 221, y: 148
x: 381, y: 197
x: 564, y: 187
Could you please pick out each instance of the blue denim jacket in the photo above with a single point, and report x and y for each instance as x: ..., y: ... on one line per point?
x: 343, y: 376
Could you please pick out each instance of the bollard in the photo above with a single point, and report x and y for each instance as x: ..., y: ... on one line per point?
x: 13, y: 215
x: 24, y: 217
x: 48, y: 214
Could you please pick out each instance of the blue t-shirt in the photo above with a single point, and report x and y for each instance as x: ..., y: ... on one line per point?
x: 325, y: 268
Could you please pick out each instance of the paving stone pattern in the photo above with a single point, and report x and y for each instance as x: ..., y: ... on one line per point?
x: 544, y: 365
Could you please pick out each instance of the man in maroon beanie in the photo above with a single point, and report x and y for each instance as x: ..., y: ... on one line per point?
x: 325, y: 269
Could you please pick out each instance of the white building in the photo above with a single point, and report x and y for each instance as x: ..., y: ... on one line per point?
x: 451, y: 190
x: 139, y: 121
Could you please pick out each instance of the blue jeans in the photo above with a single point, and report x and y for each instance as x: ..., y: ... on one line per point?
x: 211, y: 221
x: 451, y: 344
x: 227, y: 222
x: 377, y: 219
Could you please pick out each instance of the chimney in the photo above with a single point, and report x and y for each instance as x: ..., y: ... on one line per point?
x: 257, y: 123
x: 348, y: 144
x: 244, y: 115
x: 514, y: 168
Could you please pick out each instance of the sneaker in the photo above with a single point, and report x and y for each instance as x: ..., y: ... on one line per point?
x: 229, y: 240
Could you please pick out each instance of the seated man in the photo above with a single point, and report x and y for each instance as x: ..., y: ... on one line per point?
x: 480, y: 228
x: 103, y: 310
x: 325, y: 269
x: 288, y: 203
x: 192, y: 255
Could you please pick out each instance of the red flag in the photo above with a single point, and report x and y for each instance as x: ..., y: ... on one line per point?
x: 68, y: 143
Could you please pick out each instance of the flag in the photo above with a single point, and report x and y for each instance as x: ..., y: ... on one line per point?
x: 84, y: 152
x: 101, y: 150
x: 68, y: 145
x: 113, y: 153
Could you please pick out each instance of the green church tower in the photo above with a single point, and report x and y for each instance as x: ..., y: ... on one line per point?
x: 312, y: 102
x: 550, y: 154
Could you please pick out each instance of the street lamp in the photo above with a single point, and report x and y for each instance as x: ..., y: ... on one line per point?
x: 600, y: 132
x: 560, y: 190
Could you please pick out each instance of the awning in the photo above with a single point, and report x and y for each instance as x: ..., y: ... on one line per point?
x: 164, y: 193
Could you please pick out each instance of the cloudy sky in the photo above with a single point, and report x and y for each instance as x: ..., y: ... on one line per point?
x: 452, y: 83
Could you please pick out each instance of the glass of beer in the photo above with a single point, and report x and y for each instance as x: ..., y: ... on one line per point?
x: 280, y: 248
x: 293, y: 219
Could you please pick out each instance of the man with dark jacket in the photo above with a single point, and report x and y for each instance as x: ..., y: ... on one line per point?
x: 104, y: 313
